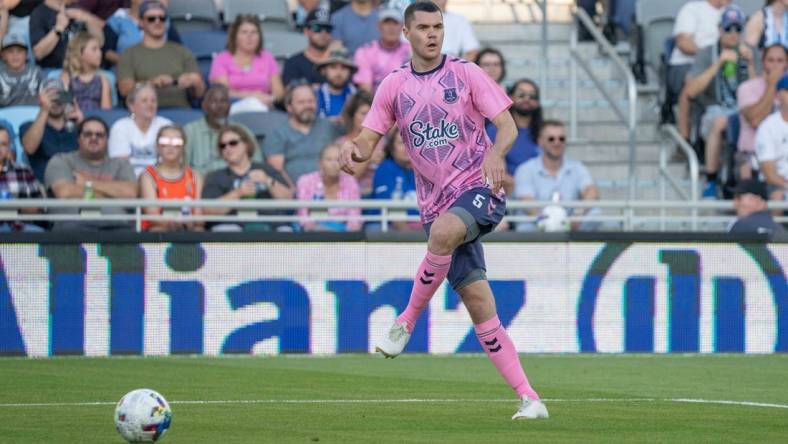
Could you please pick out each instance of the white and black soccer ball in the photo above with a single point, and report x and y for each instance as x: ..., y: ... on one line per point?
x: 554, y: 218
x: 142, y: 415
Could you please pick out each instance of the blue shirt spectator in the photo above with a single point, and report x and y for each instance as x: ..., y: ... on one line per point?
x: 523, y: 149
x: 394, y: 179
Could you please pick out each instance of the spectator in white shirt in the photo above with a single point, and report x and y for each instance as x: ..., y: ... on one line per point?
x: 459, y: 39
x: 771, y: 144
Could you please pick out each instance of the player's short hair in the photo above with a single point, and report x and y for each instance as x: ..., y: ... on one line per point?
x: 423, y: 6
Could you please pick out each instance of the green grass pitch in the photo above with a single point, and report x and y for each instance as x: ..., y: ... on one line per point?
x: 414, y: 398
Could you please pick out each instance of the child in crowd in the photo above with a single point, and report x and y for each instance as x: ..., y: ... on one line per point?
x: 81, y: 73
x: 19, y: 80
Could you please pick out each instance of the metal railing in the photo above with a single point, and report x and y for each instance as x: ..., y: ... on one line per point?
x: 627, y: 213
x: 673, y: 137
x: 629, y: 117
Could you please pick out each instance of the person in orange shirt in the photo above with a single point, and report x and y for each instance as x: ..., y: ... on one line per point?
x: 171, y: 178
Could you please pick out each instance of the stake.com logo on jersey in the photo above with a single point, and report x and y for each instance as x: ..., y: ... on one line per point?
x: 428, y: 136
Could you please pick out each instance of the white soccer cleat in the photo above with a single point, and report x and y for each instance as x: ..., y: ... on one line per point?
x: 392, y: 344
x: 531, y: 409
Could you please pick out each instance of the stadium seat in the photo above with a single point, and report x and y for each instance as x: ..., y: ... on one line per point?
x: 181, y: 116
x: 194, y: 15
x: 283, y: 44
x: 16, y: 116
x: 261, y: 123
x: 204, y: 43
x: 654, y: 26
x: 109, y: 115
x: 111, y: 78
x: 269, y: 12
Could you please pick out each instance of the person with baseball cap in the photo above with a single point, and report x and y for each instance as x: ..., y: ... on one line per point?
x: 771, y: 144
x: 752, y: 214
x: 169, y: 66
x: 712, y: 81
x: 301, y: 66
x: 19, y: 80
x: 378, y: 58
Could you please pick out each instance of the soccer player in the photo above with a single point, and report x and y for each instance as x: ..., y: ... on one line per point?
x: 439, y: 104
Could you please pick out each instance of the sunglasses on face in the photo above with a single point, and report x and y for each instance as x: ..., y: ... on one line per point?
x: 529, y: 96
x: 733, y: 28
x: 553, y: 139
x: 92, y: 135
x: 232, y: 143
x: 170, y: 141
x: 321, y: 28
x: 155, y: 18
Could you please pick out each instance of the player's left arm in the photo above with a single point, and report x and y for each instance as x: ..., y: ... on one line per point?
x: 494, y: 166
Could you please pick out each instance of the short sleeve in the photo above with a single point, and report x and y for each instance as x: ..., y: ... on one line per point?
x: 212, y: 189
x: 119, y: 140
x: 381, y: 117
x: 189, y: 62
x: 584, y: 179
x: 488, y: 97
x: 362, y: 60
x: 275, y: 143
x: 271, y: 66
x: 701, y: 63
x: 524, y: 186
x: 747, y: 94
x: 219, y: 65
x: 126, y: 171
x: 686, y: 22
x: 126, y: 64
x: 468, y: 37
x: 764, y: 145
x: 57, y: 170
x: 38, y: 27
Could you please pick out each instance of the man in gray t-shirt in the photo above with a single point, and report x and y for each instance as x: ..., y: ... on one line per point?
x: 295, y: 148
x: 90, y: 173
x: 355, y: 24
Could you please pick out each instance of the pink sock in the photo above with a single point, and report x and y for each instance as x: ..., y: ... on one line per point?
x: 432, y: 271
x: 500, y: 349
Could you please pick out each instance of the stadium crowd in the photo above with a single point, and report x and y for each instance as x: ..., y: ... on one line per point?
x: 125, y: 106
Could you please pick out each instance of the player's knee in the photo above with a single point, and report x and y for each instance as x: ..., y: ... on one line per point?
x: 446, y: 234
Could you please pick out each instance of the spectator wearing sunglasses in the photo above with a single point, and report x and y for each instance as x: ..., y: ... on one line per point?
x: 712, y: 81
x: 356, y: 24
x: 527, y: 113
x: 242, y: 178
x: 89, y: 172
x: 553, y: 174
x: 171, y: 178
x: 301, y: 66
x: 126, y: 24
x: 169, y: 66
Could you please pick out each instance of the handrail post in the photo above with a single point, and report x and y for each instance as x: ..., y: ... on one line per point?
x: 663, y: 193
x: 573, y: 81
x: 543, y: 65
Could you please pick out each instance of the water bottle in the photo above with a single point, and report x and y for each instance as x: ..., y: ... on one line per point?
x: 729, y: 70
x: 186, y: 210
x: 88, y: 193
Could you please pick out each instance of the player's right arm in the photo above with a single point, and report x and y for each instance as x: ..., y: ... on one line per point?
x: 358, y: 150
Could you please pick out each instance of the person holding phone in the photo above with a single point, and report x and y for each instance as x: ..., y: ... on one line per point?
x: 54, y: 129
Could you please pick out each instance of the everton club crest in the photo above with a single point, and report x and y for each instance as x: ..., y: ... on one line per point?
x: 450, y: 95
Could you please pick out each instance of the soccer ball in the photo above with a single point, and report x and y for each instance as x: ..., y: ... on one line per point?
x: 142, y: 415
x: 554, y: 218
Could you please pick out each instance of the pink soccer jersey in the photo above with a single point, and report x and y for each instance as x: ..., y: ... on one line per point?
x: 440, y: 115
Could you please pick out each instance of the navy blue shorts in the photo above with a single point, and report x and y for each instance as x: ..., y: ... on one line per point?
x: 481, y: 210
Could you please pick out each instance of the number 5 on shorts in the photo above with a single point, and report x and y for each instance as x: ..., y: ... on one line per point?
x: 478, y: 201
